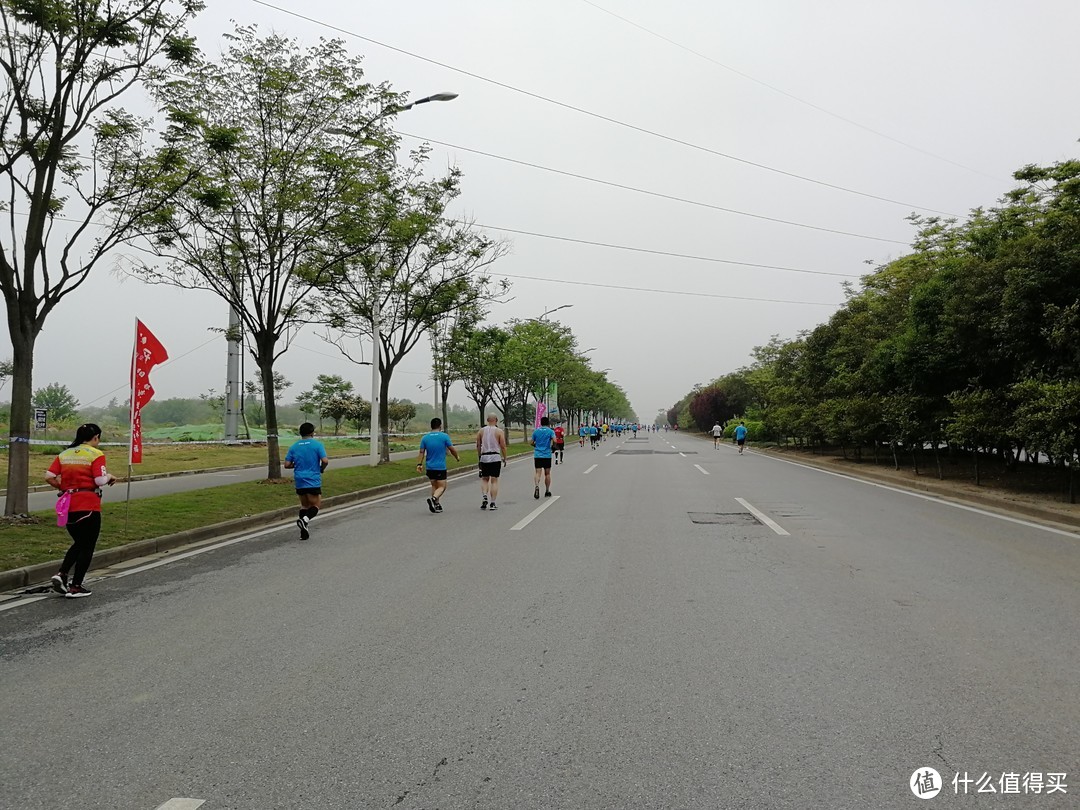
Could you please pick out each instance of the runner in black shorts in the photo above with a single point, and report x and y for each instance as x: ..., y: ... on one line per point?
x: 491, y: 450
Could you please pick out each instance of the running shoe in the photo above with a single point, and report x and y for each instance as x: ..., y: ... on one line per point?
x: 484, y: 503
x: 58, y: 583
x: 431, y: 506
x: 547, y: 493
x: 438, y: 506
x: 493, y: 507
x: 302, y: 525
x: 536, y: 493
x: 76, y: 591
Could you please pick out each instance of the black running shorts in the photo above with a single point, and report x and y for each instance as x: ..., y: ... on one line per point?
x: 309, y: 491
x: 437, y: 475
x: 542, y: 463
x: 490, y: 469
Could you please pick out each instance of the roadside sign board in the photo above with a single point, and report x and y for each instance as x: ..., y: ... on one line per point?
x: 41, y: 416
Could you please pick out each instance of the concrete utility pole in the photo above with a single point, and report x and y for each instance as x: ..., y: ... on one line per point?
x: 234, y: 386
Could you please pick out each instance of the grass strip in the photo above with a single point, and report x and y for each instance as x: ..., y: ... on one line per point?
x: 28, y: 543
x: 181, y: 457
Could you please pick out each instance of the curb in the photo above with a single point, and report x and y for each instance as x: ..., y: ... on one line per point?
x: 38, y: 573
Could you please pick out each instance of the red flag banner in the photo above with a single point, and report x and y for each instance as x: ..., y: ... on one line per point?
x: 148, y: 353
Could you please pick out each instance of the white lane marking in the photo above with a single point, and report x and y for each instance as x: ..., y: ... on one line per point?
x: 1027, y: 523
x: 593, y: 467
x: 611, y: 452
x: 702, y: 469
x: 768, y: 521
x: 683, y: 455
x: 14, y: 603
x: 521, y: 524
x: 181, y: 804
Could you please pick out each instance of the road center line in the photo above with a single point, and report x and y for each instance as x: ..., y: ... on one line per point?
x: 768, y: 521
x: 683, y: 455
x: 521, y: 524
x: 593, y: 467
x: 181, y: 804
x: 706, y: 472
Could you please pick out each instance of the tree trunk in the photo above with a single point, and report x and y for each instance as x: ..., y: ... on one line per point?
x: 17, y: 501
x: 265, y: 361
x: 444, y: 389
x: 937, y: 458
x: 895, y: 460
x: 384, y: 417
x: 978, y: 482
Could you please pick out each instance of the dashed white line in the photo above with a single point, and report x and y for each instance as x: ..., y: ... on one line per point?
x: 768, y: 521
x: 182, y: 804
x: 521, y: 524
x: 706, y: 472
x: 593, y: 467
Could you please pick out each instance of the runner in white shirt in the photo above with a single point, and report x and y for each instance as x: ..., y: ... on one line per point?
x: 491, y: 449
x: 717, y: 434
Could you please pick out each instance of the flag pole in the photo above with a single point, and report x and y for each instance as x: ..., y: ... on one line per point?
x: 131, y: 426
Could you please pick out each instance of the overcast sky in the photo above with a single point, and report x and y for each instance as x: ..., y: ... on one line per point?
x: 926, y: 104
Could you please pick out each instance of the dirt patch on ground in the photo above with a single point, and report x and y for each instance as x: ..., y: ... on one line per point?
x: 1030, y: 490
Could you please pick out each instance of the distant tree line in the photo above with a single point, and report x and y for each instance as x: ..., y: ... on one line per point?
x: 968, y: 344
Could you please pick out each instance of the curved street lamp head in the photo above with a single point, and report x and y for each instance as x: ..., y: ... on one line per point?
x: 426, y: 99
x: 564, y: 306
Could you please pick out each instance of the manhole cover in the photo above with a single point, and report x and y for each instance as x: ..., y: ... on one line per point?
x: 725, y: 518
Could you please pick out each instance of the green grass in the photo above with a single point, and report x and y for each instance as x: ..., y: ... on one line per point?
x: 30, y: 543
x: 179, y: 457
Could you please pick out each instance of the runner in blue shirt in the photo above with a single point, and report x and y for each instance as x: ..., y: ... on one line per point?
x: 740, y: 436
x: 542, y: 440
x: 433, y: 449
x: 307, y: 458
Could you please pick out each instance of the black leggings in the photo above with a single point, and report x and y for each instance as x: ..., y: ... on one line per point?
x: 84, y: 528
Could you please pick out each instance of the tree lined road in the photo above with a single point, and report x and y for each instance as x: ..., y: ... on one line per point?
x: 643, y: 642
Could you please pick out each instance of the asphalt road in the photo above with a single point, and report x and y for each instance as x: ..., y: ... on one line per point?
x: 610, y: 652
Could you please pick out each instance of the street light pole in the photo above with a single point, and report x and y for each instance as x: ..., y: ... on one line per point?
x: 376, y: 411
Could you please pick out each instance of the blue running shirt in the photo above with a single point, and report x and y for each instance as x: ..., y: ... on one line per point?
x: 434, y: 445
x: 543, y: 437
x: 306, y: 456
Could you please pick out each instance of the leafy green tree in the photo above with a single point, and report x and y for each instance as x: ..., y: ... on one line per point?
x: 401, y: 412
x: 359, y: 413
x: 326, y: 388
x: 65, y: 66
x: 473, y: 358
x: 263, y: 225
x: 6, y: 367
x: 254, y: 390
x: 419, y: 269
x: 59, y: 400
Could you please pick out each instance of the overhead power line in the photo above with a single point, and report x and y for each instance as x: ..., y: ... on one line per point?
x: 601, y: 117
x: 662, y: 252
x: 662, y: 196
x: 695, y: 293
x: 792, y: 96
